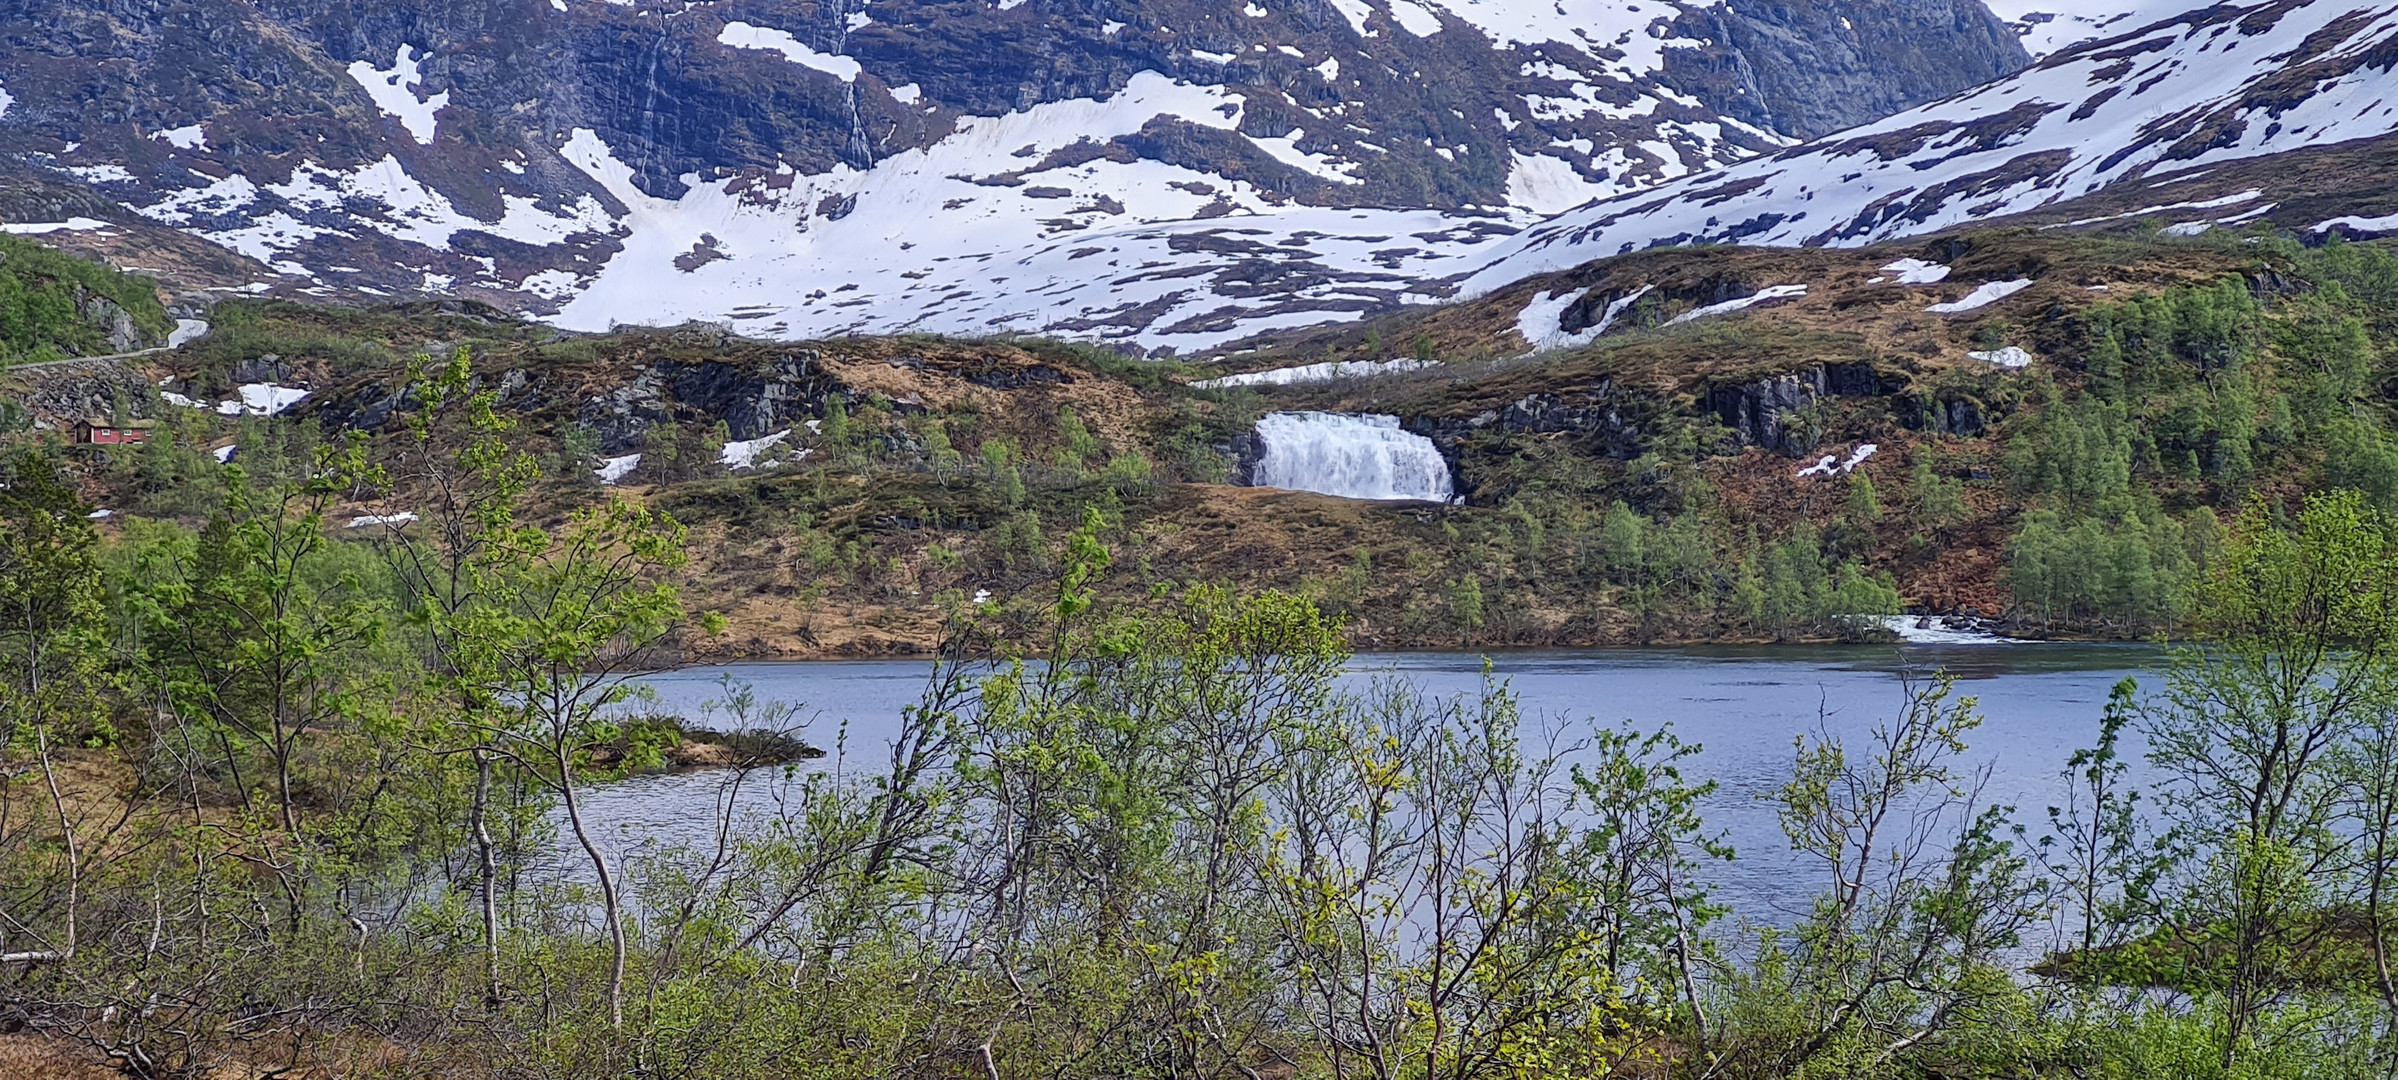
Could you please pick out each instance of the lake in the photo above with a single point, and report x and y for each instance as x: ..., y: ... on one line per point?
x: 1745, y: 705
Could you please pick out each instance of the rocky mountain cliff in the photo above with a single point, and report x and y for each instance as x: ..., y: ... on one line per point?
x: 758, y: 159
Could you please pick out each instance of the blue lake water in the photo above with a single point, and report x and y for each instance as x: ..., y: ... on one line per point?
x: 1744, y: 705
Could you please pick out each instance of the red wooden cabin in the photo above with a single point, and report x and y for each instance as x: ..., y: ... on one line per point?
x: 111, y: 433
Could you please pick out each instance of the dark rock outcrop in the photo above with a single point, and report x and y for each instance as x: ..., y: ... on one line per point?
x: 1772, y: 412
x: 751, y: 400
x: 1959, y: 416
x: 1017, y: 378
x: 753, y: 403
x: 1600, y: 414
x: 1761, y: 413
x: 624, y: 413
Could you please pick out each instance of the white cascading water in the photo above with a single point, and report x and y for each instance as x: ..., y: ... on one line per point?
x: 1352, y: 457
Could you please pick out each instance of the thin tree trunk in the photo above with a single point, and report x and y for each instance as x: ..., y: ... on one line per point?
x: 607, y: 884
x: 485, y: 874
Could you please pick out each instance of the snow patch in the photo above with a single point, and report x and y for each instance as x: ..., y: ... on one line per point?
x: 101, y: 174
x: 223, y: 454
x: 409, y: 210
x: 2359, y: 224
x: 741, y: 35
x: 73, y: 224
x: 1539, y: 324
x: 550, y: 284
x: 744, y: 454
x: 395, y: 92
x: 1327, y: 371
x: 1286, y: 150
x: 1831, y: 465
x: 1982, y: 297
x: 2013, y: 356
x: 1775, y: 292
x: 927, y: 246
x: 1628, y: 38
x: 267, y: 399
x: 1916, y: 272
x: 1356, y: 11
x: 1414, y: 18
x: 2201, y: 204
x: 2048, y: 26
x: 368, y: 521
x: 1550, y: 185
x: 189, y: 137
x: 614, y: 469
x: 186, y: 332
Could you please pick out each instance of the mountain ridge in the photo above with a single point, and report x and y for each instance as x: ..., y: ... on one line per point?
x: 2063, y: 129
x: 361, y: 153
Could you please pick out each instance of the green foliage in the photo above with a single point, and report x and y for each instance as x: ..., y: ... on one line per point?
x: 1939, y: 500
x: 2129, y: 561
x: 52, y: 637
x: 2255, y: 740
x: 1891, y: 941
x: 1465, y: 603
x: 1800, y: 588
x: 44, y: 295
x: 1864, y: 504
x: 2079, y: 453
x: 1079, y: 449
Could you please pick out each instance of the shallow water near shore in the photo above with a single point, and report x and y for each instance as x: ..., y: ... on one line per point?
x: 1745, y: 704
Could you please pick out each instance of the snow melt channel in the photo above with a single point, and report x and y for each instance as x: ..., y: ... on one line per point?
x: 1328, y: 371
x: 1349, y: 457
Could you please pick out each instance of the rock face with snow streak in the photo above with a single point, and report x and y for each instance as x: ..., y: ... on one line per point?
x: 1158, y: 172
x: 1352, y: 457
x: 2224, y: 84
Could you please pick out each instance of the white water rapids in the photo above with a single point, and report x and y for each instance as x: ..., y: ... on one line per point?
x: 1352, y: 457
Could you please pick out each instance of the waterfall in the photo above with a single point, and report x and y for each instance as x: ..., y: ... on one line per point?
x: 1353, y: 457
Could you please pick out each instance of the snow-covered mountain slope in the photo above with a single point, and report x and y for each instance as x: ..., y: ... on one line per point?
x: 2052, y: 26
x: 2230, y: 83
x: 1241, y: 164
